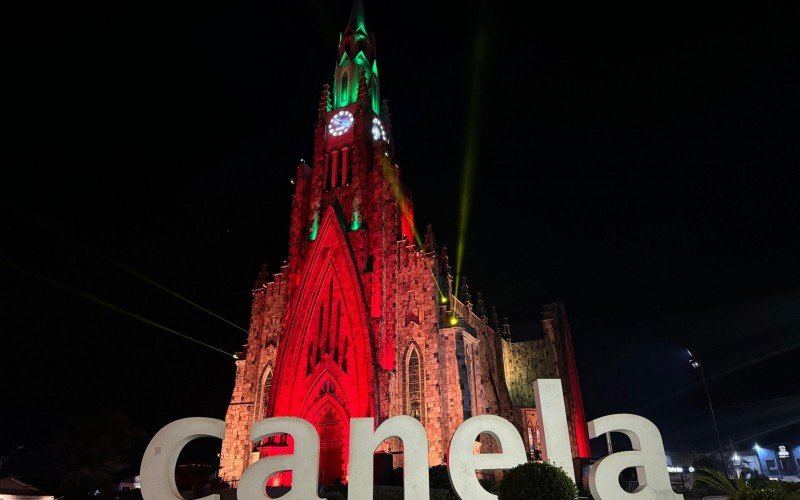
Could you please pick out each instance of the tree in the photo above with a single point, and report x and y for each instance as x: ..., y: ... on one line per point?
x: 93, y: 451
x: 537, y: 481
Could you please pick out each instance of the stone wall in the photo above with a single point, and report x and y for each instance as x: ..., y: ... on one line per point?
x: 248, y: 397
x: 523, y: 363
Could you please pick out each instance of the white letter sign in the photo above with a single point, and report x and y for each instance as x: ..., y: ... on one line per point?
x: 363, y: 442
x: 158, y: 465
x: 463, y: 463
x: 304, y: 462
x: 648, y: 457
x: 553, y: 417
x: 161, y: 456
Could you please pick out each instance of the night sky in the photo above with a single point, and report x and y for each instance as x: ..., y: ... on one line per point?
x: 637, y: 161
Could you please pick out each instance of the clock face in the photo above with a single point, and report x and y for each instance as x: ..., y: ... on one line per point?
x: 378, y: 132
x: 340, y: 123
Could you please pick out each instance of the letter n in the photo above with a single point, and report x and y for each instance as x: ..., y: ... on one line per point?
x: 363, y: 442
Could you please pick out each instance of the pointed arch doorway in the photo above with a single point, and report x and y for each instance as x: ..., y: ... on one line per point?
x: 330, y: 419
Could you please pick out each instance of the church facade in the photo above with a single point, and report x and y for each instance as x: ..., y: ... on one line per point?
x: 362, y: 319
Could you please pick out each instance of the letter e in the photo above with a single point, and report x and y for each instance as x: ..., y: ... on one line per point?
x: 463, y: 462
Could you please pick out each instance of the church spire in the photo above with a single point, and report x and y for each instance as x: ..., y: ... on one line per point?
x: 356, y: 59
x: 358, y: 20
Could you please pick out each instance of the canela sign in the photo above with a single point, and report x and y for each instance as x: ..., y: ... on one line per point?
x: 158, y: 465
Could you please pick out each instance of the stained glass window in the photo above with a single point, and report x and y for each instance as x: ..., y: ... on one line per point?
x: 414, y: 389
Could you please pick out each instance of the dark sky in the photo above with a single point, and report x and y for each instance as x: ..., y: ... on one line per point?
x: 637, y: 161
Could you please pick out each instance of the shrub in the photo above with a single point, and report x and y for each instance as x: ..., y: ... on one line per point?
x: 719, y: 481
x: 438, y: 477
x: 767, y: 494
x: 537, y: 481
x: 739, y: 489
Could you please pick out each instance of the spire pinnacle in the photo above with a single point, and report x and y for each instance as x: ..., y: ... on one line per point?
x: 358, y: 20
x: 465, y: 295
x: 356, y: 56
x: 263, y: 277
x: 430, y: 240
x: 481, y: 307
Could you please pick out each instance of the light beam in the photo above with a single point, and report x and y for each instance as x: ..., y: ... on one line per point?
x: 479, y: 50
x: 108, y: 305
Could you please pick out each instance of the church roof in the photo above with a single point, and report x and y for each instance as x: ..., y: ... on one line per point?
x: 13, y: 486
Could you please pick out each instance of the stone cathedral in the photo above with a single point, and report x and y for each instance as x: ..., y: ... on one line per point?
x: 362, y: 319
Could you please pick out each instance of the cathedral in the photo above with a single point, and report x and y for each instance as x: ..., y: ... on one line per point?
x: 362, y: 320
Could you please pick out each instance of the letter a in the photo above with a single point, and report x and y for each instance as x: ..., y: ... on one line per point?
x: 304, y: 462
x: 647, y: 456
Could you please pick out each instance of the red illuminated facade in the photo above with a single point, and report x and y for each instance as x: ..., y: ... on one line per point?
x: 362, y: 320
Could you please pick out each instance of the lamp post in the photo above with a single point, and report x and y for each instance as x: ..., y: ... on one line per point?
x: 4, y: 459
x: 694, y: 361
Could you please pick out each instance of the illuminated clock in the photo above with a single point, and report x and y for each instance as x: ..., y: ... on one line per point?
x: 340, y: 123
x: 378, y: 132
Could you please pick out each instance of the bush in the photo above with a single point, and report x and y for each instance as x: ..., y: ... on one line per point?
x: 774, y: 489
x: 739, y: 489
x: 768, y: 494
x: 438, y: 477
x: 537, y: 481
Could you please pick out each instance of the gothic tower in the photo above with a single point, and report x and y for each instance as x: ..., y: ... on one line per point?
x: 319, y: 335
x: 362, y: 320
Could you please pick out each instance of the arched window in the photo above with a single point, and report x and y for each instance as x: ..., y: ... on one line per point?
x: 531, y: 444
x: 343, y: 90
x: 414, y: 385
x: 345, y: 353
x: 347, y: 167
x: 262, y: 401
x: 336, y: 167
x: 328, y: 168
x: 376, y: 104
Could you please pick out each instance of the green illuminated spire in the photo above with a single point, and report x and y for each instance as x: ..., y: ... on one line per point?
x: 357, y: 19
x: 356, y: 56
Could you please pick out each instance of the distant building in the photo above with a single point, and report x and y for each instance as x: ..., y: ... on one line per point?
x: 129, y: 483
x: 14, y: 489
x: 365, y: 320
x: 779, y: 461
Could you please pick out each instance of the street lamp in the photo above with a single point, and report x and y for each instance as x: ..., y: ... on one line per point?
x: 4, y: 459
x: 695, y: 362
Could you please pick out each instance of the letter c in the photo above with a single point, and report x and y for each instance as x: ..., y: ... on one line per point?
x: 158, y: 464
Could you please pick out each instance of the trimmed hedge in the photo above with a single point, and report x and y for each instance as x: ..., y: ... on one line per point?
x: 537, y: 481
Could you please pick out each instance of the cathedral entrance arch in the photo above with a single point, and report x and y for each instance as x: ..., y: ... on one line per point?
x: 332, y: 422
x: 325, y: 370
x: 327, y: 329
